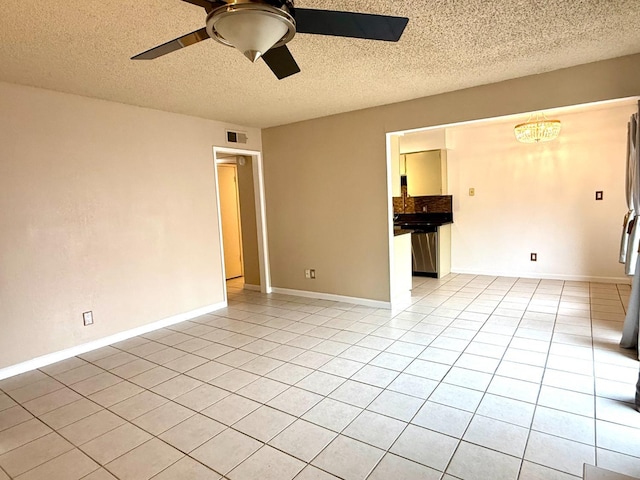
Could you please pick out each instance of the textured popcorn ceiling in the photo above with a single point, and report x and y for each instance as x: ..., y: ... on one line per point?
x: 84, y: 46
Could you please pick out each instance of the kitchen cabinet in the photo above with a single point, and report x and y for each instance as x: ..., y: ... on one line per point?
x: 426, y: 172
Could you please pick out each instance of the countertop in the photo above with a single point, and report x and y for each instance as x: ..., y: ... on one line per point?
x: 400, y: 231
x: 417, y: 226
x: 418, y: 221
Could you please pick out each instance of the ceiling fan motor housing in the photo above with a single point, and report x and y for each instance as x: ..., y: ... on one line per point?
x: 252, y: 26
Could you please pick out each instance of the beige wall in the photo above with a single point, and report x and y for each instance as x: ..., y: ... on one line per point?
x: 103, y: 207
x: 249, y: 225
x: 326, y: 184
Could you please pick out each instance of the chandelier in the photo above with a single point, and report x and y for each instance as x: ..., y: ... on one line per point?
x: 537, y: 129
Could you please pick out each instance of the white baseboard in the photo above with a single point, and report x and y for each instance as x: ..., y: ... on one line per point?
x: 253, y: 288
x: 333, y: 297
x: 54, y: 357
x: 547, y: 276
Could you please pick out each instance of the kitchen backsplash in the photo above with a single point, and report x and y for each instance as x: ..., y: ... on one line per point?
x: 428, y: 204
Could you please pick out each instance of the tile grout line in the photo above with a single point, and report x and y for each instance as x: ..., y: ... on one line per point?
x: 128, y: 421
x: 593, y: 369
x: 425, y: 400
x: 535, y: 408
x: 485, y: 392
x: 77, y: 447
x: 315, y: 369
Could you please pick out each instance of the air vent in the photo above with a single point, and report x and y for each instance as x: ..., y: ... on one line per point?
x: 236, y: 137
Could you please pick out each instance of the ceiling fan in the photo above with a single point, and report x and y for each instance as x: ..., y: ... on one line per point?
x: 262, y: 28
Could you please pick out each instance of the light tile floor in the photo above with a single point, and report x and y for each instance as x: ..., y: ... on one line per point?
x: 478, y: 378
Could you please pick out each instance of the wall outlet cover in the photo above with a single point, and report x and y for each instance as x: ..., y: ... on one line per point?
x: 87, y: 318
x: 472, y: 192
x: 534, y: 257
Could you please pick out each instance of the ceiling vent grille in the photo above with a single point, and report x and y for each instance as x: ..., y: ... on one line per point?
x: 236, y: 137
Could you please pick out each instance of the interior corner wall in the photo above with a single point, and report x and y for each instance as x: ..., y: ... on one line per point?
x: 325, y: 179
x: 540, y: 198
x: 103, y: 207
x: 246, y: 193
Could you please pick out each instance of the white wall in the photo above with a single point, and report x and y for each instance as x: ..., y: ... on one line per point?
x: 540, y: 198
x: 103, y: 207
x: 422, y: 140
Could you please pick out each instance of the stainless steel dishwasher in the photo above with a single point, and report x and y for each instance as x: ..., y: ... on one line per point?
x: 424, y: 252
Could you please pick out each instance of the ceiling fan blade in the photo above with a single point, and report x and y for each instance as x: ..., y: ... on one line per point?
x: 281, y: 62
x: 348, y: 24
x: 199, y: 3
x: 173, y: 45
x: 208, y: 5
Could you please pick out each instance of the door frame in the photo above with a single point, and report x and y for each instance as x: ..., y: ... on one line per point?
x: 261, y: 217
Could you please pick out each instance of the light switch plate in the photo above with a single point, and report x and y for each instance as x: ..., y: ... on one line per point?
x: 87, y: 318
x: 599, y: 195
x: 472, y: 192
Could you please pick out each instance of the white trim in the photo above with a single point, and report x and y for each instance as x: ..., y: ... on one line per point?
x: 547, y: 276
x: 54, y: 357
x: 336, y: 298
x: 219, y: 215
x: 401, y: 301
x: 261, y: 220
x: 253, y: 288
x: 390, y: 214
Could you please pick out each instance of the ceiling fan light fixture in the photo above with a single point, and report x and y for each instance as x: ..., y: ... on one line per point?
x: 537, y: 129
x: 252, y: 28
x: 262, y: 28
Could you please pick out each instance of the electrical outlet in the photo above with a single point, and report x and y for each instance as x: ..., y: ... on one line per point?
x: 87, y: 318
x: 534, y: 257
x: 307, y: 273
x: 472, y: 192
x: 599, y: 195
x: 313, y: 273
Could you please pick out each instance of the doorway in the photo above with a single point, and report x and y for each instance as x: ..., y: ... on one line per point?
x: 241, y: 219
